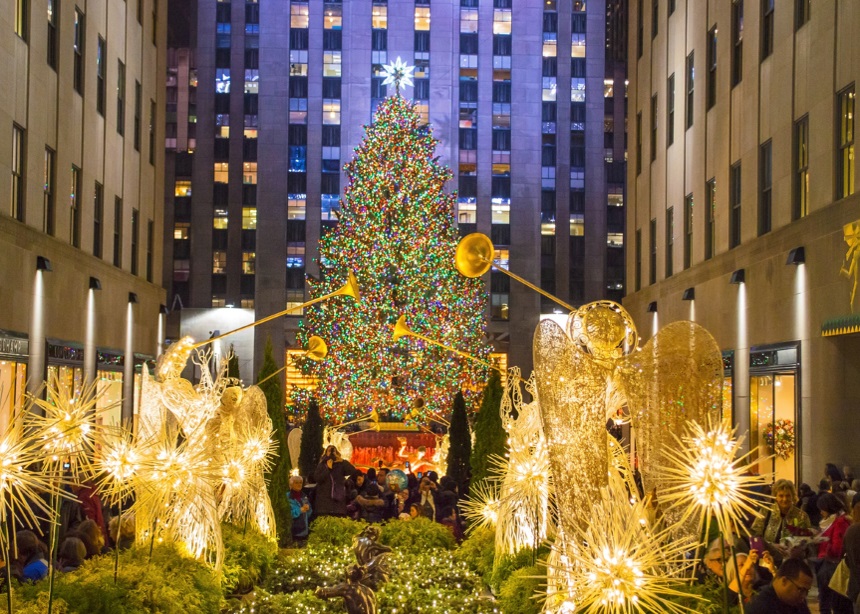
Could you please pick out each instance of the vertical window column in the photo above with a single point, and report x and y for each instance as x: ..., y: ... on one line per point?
x: 422, y: 53
x: 845, y: 138
x: 549, y: 79
x: 378, y: 53
x: 467, y: 194
x: 500, y: 191
x: 576, y: 280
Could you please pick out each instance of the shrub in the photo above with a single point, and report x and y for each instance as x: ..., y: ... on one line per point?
x: 290, y: 603
x: 507, y: 565
x: 334, y: 531
x: 517, y: 594
x: 170, y: 584
x: 416, y: 536
x: 309, y: 567
x: 248, y: 558
x: 478, y: 551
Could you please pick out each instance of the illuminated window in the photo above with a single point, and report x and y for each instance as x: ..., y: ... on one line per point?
x: 331, y: 64
x: 502, y: 21
x: 246, y: 303
x: 249, y: 173
x: 252, y: 80
x: 249, y: 218
x: 182, y: 188
x: 332, y: 16
x: 218, y: 302
x: 222, y: 80
x: 219, y: 221
x: 181, y: 231
x: 577, y: 45
x: 250, y: 133
x: 423, y: 111
x: 550, y: 49
x: 296, y: 205
x: 467, y: 213
x: 330, y: 207
x: 577, y: 89
x: 331, y: 111
x: 422, y: 17
x: 294, y: 299
x: 468, y: 20
x: 249, y: 260
x: 501, y: 214
x: 295, y: 378
x: 222, y: 170
x: 577, y: 225
x: 219, y: 262
x: 298, y: 15
x: 549, y: 89
x: 501, y: 257
x: 379, y: 19
x: 608, y: 88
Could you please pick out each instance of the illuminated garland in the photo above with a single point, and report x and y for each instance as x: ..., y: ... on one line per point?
x: 396, y: 232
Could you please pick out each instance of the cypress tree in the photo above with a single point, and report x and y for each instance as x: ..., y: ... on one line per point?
x: 279, y: 478
x: 490, y: 436
x: 233, y: 365
x: 312, y: 440
x: 460, y: 448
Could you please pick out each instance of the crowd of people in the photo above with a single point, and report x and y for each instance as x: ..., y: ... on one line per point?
x: 795, y: 543
x: 342, y: 490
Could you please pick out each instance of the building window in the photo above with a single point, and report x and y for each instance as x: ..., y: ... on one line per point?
x: 765, y: 187
x: 48, y: 197
x: 638, y: 143
x: 640, y: 34
x: 670, y: 110
x: 52, y: 33
x: 652, y: 252
x: 637, y: 278
x: 120, y: 97
x: 18, y: 158
x: 691, y: 85
x: 249, y: 260
x: 138, y: 103
x: 75, y: 207
x: 737, y: 42
x: 78, y: 47
x: 117, y: 232
x: 710, y: 210
x: 422, y: 18
x: 767, y: 10
x: 135, y: 240
x: 98, y: 218
x: 653, y: 127
x: 711, y: 88
x: 219, y: 262
x: 735, y: 205
x: 655, y: 17
x: 100, y: 76
x: 152, y: 111
x: 688, y: 231
x: 845, y: 163
x: 671, y: 7
x: 802, y: 13
x: 150, y: 239
x: 21, y: 9
x: 670, y: 240
x: 800, y: 200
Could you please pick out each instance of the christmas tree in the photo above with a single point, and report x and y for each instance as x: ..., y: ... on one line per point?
x: 396, y: 232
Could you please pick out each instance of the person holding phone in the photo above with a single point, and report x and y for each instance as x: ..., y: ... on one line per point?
x: 330, y: 477
x: 782, y: 519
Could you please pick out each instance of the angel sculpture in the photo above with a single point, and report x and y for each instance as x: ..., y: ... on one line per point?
x: 373, y: 556
x: 357, y: 598
x: 675, y: 377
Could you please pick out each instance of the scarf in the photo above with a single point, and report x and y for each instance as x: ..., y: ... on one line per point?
x: 298, y: 495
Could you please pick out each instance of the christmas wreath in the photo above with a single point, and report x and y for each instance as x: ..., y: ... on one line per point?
x: 779, y: 436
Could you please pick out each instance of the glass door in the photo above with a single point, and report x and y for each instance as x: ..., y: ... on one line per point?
x: 772, y: 400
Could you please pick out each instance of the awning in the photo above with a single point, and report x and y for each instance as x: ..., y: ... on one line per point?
x: 843, y: 325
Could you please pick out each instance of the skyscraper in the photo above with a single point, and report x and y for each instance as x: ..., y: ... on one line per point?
x: 520, y: 94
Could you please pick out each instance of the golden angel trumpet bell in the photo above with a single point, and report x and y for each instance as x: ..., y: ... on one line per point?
x: 350, y: 288
x: 475, y: 257
x: 317, y: 349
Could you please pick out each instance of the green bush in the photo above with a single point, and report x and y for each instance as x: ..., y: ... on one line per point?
x: 506, y: 565
x: 517, y: 594
x: 290, y: 603
x: 478, y: 551
x: 334, y: 531
x: 309, y: 567
x: 248, y: 558
x: 170, y: 584
x: 418, y: 535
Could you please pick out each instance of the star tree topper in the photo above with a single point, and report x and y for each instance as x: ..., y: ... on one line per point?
x: 398, y: 72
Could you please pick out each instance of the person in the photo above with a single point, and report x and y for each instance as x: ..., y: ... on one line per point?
x: 427, y: 498
x: 126, y: 534
x: 787, y: 593
x: 753, y: 573
x: 811, y: 507
x: 89, y: 533
x: 851, y: 546
x: 71, y: 554
x: 91, y: 505
x: 780, y: 520
x: 32, y: 562
x: 452, y: 521
x: 832, y: 472
x: 371, y: 505
x: 446, y: 497
x: 300, y: 509
x: 382, y: 481
x: 330, y: 477
x: 414, y: 512
x: 834, y: 524
x: 855, y: 488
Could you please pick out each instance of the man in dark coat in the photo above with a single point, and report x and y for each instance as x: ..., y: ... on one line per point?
x: 787, y: 593
x: 330, y: 477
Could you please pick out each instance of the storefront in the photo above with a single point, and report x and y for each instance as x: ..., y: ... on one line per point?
x: 14, y: 350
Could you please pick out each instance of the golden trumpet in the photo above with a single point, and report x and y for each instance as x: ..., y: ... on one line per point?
x: 475, y: 257
x: 317, y: 350
x: 401, y: 329
x: 350, y: 288
x: 373, y: 416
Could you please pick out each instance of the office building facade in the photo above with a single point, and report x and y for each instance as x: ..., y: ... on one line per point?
x: 82, y: 169
x: 526, y: 105
x: 743, y: 212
